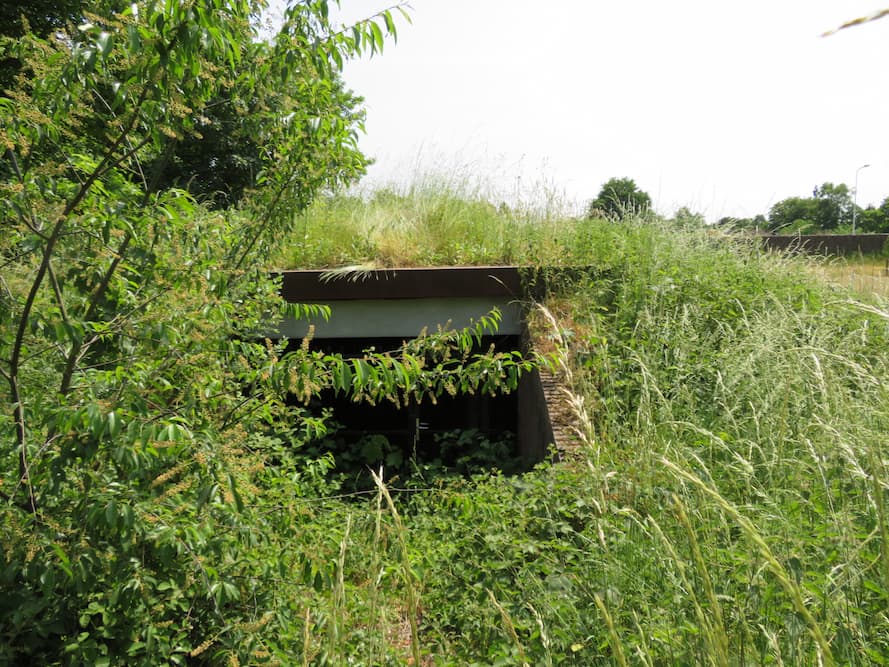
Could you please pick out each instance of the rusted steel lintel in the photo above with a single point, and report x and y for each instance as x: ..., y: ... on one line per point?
x: 403, y: 283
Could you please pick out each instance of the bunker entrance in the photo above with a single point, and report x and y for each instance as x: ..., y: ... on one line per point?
x: 452, y: 435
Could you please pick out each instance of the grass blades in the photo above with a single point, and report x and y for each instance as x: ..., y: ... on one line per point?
x: 432, y: 222
x: 729, y: 507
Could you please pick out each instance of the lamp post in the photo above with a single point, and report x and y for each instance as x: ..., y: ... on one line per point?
x: 855, y: 196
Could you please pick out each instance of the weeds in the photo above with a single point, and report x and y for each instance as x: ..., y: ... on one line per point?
x: 427, y: 223
x: 731, y: 506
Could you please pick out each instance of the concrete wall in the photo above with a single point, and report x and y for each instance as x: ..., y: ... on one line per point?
x: 382, y: 318
x: 534, y: 429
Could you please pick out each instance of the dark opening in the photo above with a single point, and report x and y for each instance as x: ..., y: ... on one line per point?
x: 455, y: 435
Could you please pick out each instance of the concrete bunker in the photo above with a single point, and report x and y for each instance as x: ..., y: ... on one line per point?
x: 380, y: 309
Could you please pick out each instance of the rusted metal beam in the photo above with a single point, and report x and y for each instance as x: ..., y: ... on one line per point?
x: 410, y: 283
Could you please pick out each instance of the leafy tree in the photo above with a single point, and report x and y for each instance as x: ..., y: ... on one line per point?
x: 794, y: 214
x: 829, y: 208
x: 217, y: 157
x: 617, y: 198
x: 40, y: 17
x: 139, y: 524
x: 685, y: 217
x: 220, y: 157
x: 834, y: 205
x: 875, y: 219
x: 756, y: 223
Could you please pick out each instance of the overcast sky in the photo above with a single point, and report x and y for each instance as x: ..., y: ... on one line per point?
x: 724, y: 107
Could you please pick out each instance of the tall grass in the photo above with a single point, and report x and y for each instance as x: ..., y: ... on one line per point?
x: 862, y: 274
x: 754, y: 396
x: 434, y: 221
x: 732, y: 507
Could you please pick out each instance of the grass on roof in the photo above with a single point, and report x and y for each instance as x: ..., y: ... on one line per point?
x: 428, y: 224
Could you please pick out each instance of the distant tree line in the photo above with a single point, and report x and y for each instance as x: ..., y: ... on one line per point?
x: 830, y: 209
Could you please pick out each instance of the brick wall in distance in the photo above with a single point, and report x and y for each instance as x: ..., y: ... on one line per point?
x: 829, y: 244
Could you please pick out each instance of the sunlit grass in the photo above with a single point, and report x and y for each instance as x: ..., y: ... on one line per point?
x: 431, y: 222
x: 731, y: 508
x: 865, y: 275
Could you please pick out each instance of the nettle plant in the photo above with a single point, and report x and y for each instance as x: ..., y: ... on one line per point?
x: 140, y: 402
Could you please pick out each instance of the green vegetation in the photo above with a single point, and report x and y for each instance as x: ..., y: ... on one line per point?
x: 41, y: 17
x: 163, y: 495
x: 729, y: 507
x: 618, y: 198
x: 431, y: 223
x: 828, y: 210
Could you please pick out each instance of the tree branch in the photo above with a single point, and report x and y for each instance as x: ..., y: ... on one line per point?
x: 108, y: 162
x: 77, y: 350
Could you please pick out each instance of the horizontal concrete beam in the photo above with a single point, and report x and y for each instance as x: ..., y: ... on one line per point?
x: 403, y: 318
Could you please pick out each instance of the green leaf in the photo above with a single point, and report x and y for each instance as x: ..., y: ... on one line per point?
x: 233, y: 486
x: 377, y: 35
x: 104, y: 43
x: 129, y: 518
x: 64, y: 561
x: 360, y: 373
x: 342, y: 376
x: 390, y: 24
x: 114, y: 424
x: 334, y: 54
x: 89, y: 60
x: 111, y: 513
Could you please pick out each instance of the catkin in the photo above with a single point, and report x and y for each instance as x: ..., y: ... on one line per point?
x: 200, y: 648
x: 169, y: 474
x: 255, y: 626
x: 308, y: 339
x: 175, y: 489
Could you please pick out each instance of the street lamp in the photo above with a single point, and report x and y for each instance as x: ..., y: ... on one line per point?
x: 855, y: 196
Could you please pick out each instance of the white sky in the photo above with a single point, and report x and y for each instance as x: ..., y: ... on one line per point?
x: 724, y: 107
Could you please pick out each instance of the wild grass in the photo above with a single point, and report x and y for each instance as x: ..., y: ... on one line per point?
x: 431, y: 222
x: 866, y: 275
x: 742, y: 402
x: 731, y: 509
